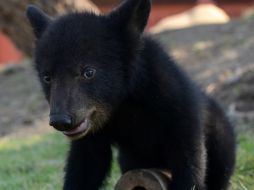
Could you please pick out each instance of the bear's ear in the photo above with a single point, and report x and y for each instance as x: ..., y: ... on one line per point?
x: 132, y: 15
x: 38, y: 19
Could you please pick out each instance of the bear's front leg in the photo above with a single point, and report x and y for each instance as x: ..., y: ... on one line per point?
x: 88, y: 163
x: 186, y: 181
x: 189, y: 167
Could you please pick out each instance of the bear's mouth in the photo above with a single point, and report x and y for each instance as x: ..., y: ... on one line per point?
x: 78, y: 132
x: 83, y: 128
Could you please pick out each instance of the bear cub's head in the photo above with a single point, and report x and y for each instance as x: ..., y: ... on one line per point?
x: 83, y: 63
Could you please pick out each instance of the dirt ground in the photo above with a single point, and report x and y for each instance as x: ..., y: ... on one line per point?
x: 21, y: 102
x: 219, y: 57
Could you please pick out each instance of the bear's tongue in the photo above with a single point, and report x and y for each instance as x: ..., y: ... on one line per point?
x: 80, y: 129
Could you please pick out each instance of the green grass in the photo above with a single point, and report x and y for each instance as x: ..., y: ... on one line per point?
x: 32, y: 163
x: 37, y: 163
x: 244, y: 173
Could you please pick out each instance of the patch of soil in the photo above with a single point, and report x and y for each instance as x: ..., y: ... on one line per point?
x: 21, y: 100
x: 220, y: 59
x: 213, y: 53
x: 238, y: 96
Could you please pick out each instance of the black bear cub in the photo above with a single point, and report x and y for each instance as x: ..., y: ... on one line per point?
x: 109, y: 84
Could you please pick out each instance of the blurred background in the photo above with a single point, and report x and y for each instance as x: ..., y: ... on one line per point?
x: 212, y: 40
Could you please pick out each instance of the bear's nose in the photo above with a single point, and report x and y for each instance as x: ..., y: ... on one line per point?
x: 61, y: 122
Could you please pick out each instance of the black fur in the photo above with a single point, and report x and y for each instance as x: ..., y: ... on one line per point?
x: 145, y: 104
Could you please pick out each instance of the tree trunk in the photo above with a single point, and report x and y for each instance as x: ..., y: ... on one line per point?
x: 14, y: 23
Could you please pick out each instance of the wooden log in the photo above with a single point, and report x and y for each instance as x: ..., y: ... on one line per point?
x: 144, y: 179
x: 13, y: 21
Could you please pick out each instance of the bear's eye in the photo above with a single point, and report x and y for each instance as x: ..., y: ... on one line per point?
x: 46, y: 79
x: 89, y: 73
